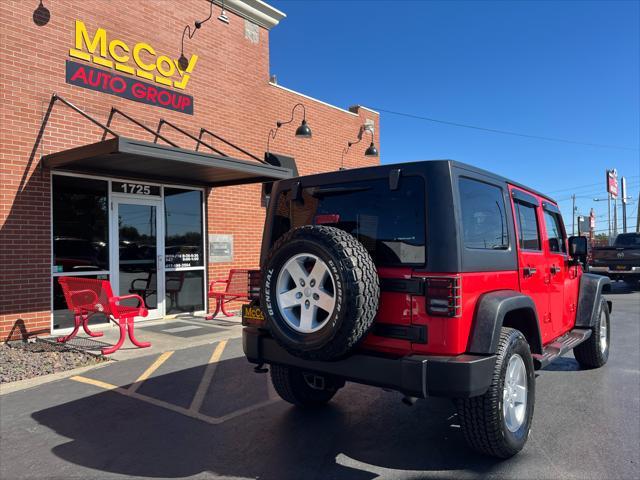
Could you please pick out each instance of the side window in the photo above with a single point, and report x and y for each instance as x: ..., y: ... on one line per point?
x: 484, y: 222
x: 555, y: 232
x: 527, y: 224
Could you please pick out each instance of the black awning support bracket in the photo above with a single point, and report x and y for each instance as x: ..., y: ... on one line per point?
x: 227, y: 142
x: 55, y: 97
x: 136, y: 159
x: 192, y: 137
x: 156, y: 135
x: 43, y: 125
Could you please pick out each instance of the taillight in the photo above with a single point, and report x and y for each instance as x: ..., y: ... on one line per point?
x: 443, y: 296
x: 327, y: 218
x: 254, y: 284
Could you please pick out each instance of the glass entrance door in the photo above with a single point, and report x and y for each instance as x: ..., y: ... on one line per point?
x: 137, y: 252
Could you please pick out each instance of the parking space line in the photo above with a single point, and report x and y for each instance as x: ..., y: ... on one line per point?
x: 144, y: 398
x: 95, y: 383
x: 149, y: 371
x: 169, y: 406
x: 198, y: 398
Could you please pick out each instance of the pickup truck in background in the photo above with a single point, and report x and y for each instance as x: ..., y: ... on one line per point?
x: 620, y: 261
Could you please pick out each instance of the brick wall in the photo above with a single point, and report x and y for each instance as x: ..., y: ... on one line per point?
x: 232, y: 97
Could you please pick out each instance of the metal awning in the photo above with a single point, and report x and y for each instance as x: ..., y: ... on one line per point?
x: 147, y: 161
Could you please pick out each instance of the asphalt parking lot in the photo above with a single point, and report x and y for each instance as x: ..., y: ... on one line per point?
x: 201, y: 412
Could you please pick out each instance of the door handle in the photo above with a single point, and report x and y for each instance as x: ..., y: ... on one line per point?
x: 529, y: 271
x: 554, y: 269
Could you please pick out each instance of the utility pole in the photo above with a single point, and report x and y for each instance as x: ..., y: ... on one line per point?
x: 638, y: 217
x: 615, y: 216
x: 573, y: 214
x: 612, y: 191
x: 624, y: 204
x: 608, y: 212
x: 609, y: 216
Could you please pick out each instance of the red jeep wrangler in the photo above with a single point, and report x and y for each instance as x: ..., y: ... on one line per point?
x: 431, y: 278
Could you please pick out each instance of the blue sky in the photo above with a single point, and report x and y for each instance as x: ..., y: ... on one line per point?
x: 568, y: 70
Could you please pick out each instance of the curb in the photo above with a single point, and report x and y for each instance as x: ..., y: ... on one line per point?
x: 6, y: 388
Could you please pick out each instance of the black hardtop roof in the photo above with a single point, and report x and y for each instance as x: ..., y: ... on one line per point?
x: 392, y: 166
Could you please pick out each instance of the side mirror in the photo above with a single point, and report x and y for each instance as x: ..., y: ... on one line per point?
x: 578, y: 249
x: 578, y: 246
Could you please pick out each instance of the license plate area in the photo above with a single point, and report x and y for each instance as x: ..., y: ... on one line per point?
x: 252, y: 316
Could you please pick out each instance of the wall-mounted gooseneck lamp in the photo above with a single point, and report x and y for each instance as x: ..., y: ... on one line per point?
x: 183, y: 62
x: 223, y: 15
x: 41, y: 15
x: 371, y: 150
x: 303, y: 131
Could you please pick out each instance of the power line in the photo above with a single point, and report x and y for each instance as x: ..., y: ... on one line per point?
x: 590, y: 194
x: 580, y: 187
x: 503, y: 132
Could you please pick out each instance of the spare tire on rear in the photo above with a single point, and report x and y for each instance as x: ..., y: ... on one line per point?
x: 320, y: 292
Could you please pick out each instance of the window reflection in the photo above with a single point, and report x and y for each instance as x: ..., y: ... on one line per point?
x: 183, y: 223
x: 389, y: 223
x: 555, y: 232
x: 184, y: 291
x: 484, y: 221
x: 527, y: 224
x: 138, y: 268
x: 80, y: 224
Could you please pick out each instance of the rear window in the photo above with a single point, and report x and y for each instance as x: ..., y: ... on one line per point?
x: 628, y: 240
x: 555, y: 232
x: 484, y: 219
x: 527, y: 225
x: 389, y: 223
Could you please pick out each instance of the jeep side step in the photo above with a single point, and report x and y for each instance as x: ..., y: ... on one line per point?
x: 560, y: 346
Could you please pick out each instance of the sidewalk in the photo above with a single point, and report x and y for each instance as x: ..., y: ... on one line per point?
x: 164, y: 334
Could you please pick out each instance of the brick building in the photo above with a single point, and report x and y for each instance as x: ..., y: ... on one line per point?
x: 158, y: 217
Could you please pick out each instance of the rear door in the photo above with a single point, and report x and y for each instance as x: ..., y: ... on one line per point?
x: 532, y: 261
x: 389, y: 220
x: 555, y: 241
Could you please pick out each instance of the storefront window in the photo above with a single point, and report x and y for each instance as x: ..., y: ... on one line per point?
x: 80, y: 224
x: 184, y: 252
x: 184, y: 292
x: 183, y: 223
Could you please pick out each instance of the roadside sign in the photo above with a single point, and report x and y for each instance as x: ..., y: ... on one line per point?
x: 612, y: 183
x: 583, y: 225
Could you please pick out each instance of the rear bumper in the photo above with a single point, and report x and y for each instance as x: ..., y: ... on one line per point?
x: 632, y: 274
x: 420, y: 376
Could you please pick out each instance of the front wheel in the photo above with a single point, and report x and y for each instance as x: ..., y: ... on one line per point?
x: 498, y: 422
x: 594, y: 352
x: 303, y: 389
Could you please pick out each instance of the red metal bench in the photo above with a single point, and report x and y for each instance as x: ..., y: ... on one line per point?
x: 86, y: 297
x: 236, y: 288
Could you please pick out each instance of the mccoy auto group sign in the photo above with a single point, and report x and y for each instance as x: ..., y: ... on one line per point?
x: 140, y: 61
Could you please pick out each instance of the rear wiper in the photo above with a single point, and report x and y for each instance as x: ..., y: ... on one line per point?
x: 324, y: 191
